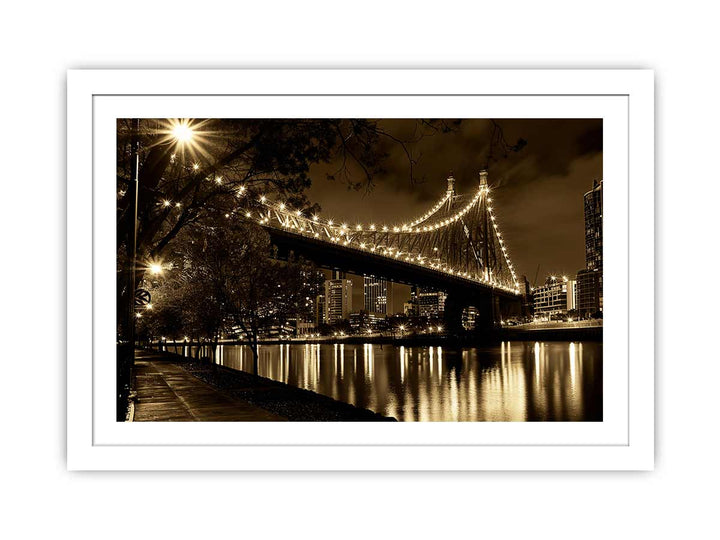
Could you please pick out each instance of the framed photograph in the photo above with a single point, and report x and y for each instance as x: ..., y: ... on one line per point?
x: 360, y: 269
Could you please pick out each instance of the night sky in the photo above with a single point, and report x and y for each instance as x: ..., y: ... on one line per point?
x: 537, y: 191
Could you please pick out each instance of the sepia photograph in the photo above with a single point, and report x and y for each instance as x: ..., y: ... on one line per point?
x: 359, y: 270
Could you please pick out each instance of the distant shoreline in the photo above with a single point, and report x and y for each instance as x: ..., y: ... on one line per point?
x: 522, y: 333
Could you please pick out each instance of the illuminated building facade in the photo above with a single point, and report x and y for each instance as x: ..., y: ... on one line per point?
x: 366, y: 320
x: 571, y: 294
x: 338, y: 299
x: 590, y: 280
x: 378, y: 295
x: 593, y: 202
x: 431, y: 303
x: 469, y: 315
x: 551, y: 298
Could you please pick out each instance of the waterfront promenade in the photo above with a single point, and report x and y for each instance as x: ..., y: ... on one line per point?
x: 172, y: 388
x: 168, y: 393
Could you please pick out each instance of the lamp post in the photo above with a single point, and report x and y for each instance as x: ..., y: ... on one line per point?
x: 126, y: 351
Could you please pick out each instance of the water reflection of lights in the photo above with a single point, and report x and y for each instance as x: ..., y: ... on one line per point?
x: 431, y: 354
x: 454, y: 401
x: 368, y: 360
x: 513, y: 381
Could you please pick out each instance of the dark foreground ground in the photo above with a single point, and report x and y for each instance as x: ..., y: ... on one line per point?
x: 170, y: 387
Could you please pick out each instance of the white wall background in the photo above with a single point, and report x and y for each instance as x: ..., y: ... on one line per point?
x: 39, y: 43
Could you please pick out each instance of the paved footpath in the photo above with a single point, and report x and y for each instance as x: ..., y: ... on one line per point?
x: 168, y: 393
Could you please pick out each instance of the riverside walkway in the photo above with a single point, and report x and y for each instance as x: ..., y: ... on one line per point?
x: 167, y: 393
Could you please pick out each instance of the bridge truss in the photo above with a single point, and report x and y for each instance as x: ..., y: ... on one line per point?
x: 458, y: 235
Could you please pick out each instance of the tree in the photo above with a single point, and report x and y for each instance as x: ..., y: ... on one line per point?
x: 227, y: 281
x: 183, y: 305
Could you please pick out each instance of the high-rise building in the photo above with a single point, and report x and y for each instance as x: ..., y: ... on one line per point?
x: 320, y: 310
x: 378, y: 295
x: 338, y: 299
x: 593, y: 200
x: 431, y: 303
x: 590, y: 280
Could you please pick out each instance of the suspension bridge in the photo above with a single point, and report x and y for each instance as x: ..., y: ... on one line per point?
x: 456, y: 246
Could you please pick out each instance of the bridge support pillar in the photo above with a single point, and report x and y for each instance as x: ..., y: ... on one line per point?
x: 454, y: 305
x: 488, y: 313
x: 487, y: 316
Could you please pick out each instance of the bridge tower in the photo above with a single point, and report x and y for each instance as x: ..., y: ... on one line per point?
x: 484, y: 233
x: 450, y: 190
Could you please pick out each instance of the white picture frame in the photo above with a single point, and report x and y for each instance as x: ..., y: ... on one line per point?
x: 623, y: 98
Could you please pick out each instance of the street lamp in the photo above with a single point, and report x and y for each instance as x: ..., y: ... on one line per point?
x: 182, y: 132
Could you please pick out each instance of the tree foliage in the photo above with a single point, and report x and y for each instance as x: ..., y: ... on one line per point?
x: 224, y: 281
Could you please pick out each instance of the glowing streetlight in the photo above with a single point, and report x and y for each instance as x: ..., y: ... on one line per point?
x: 156, y: 269
x: 182, y: 132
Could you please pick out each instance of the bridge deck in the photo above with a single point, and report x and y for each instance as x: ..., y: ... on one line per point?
x: 358, y: 262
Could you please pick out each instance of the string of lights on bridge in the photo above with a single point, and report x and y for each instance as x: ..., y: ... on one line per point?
x: 341, y: 233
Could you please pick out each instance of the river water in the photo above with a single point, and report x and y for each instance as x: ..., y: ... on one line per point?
x: 512, y: 381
